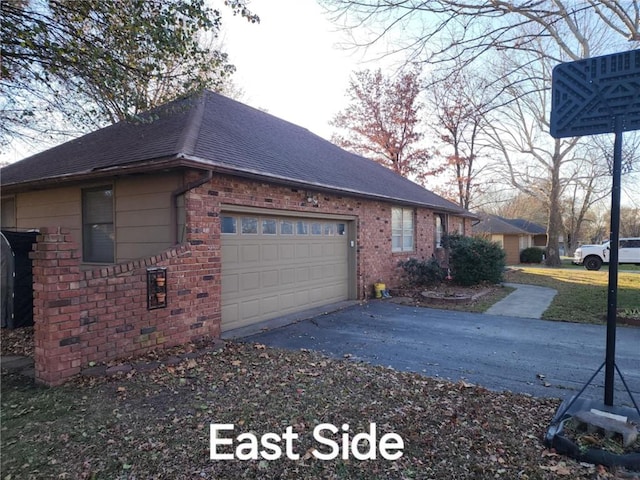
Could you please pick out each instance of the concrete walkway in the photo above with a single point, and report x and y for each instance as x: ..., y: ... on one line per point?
x: 527, y: 301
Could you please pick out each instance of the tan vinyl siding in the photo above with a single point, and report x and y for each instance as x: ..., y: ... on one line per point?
x: 8, y: 210
x: 181, y: 216
x: 512, y: 249
x: 143, y: 214
x: 51, y: 208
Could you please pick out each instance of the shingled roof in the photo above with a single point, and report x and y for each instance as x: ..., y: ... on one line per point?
x: 495, y: 224
x: 216, y: 133
x: 527, y: 226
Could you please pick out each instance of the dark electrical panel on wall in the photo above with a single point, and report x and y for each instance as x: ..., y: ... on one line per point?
x: 156, y: 288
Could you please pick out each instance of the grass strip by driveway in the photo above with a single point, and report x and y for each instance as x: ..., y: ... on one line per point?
x: 156, y: 424
x: 582, y: 294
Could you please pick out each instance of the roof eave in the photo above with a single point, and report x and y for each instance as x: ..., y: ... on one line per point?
x: 93, y: 174
x: 258, y: 175
x: 181, y: 160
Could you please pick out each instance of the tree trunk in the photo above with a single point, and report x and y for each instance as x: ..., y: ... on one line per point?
x: 554, y: 228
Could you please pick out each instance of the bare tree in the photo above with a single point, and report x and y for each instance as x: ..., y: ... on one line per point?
x: 459, y: 112
x: 587, y: 186
x: 518, y: 41
x: 532, y: 161
x: 505, y: 203
x: 455, y: 30
x: 382, y: 122
x: 630, y: 222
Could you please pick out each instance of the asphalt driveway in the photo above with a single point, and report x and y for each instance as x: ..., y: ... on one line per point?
x: 536, y: 357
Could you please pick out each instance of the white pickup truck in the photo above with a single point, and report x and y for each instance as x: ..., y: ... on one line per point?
x: 593, y: 256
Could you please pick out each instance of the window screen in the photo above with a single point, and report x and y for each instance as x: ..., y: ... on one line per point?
x: 402, y: 230
x: 97, y: 225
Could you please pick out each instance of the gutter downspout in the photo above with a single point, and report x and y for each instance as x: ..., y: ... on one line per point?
x: 174, y: 202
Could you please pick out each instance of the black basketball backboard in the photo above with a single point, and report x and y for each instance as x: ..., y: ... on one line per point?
x: 588, y: 95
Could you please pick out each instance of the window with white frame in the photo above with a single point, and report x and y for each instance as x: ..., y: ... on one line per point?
x: 249, y: 226
x: 228, y: 225
x: 402, y: 229
x: 440, y: 228
x: 97, y: 225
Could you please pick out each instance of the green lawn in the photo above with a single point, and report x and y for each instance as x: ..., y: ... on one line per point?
x: 567, y: 263
x: 582, y: 294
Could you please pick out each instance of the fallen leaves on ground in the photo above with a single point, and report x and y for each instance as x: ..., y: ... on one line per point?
x: 156, y: 424
x: 17, y: 341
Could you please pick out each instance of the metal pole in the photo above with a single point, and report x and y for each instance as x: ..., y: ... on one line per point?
x: 610, y: 359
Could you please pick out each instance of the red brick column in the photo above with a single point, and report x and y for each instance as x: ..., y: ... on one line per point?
x: 56, y: 306
x: 202, y: 207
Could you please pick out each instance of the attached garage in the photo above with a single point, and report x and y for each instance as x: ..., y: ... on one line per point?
x: 273, y: 265
x: 250, y: 216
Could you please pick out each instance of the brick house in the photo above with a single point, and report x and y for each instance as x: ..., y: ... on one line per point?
x: 513, y: 235
x: 247, y: 216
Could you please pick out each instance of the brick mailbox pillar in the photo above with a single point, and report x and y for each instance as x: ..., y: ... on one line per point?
x: 56, y: 306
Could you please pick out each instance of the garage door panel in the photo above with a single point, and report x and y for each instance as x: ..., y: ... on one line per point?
x: 230, y: 283
x: 318, y: 272
x: 287, y: 300
x: 302, y: 251
x: 302, y: 274
x: 276, y: 272
x: 250, y: 281
x: 270, y: 304
x: 328, y: 250
x: 316, y: 251
x: 230, y: 253
x: 270, y: 253
x: 287, y: 251
x: 250, y: 254
x: 287, y: 276
x: 270, y: 278
x: 334, y: 270
x: 231, y: 312
x: 250, y: 309
x: 317, y: 295
x: 302, y: 297
x: 335, y: 291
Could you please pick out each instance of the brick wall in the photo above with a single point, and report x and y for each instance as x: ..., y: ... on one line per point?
x: 373, y: 224
x: 100, y: 315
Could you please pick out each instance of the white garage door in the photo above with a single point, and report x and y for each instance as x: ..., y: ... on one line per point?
x: 272, y: 266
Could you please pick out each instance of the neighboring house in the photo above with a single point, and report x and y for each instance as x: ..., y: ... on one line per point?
x: 250, y: 217
x: 513, y: 235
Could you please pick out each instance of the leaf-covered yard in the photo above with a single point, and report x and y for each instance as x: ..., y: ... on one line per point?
x: 156, y: 424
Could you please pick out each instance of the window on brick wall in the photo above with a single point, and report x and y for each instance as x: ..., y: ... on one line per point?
x: 402, y: 229
x: 440, y: 228
x: 97, y: 225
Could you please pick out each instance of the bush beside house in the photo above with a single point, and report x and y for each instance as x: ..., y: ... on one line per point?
x: 532, y: 255
x: 474, y: 260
